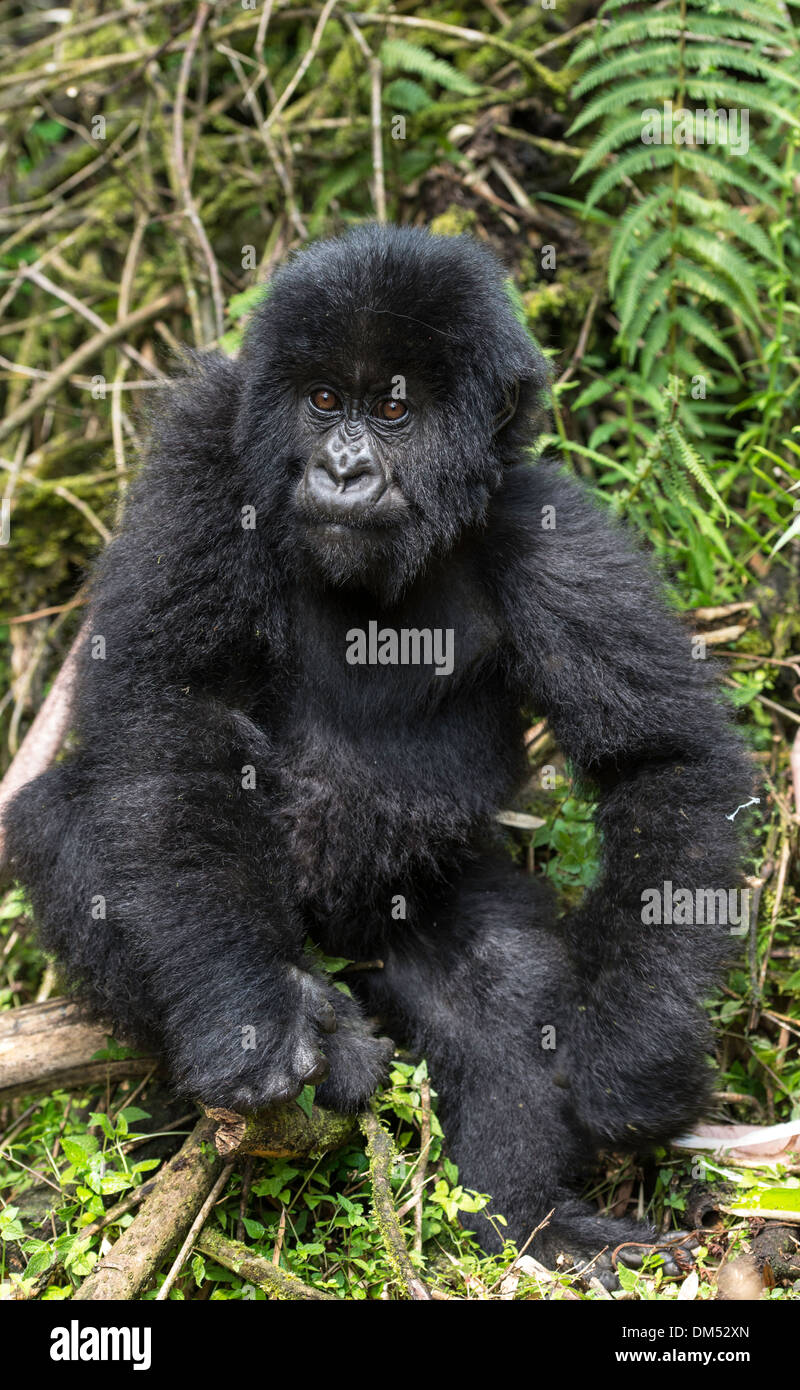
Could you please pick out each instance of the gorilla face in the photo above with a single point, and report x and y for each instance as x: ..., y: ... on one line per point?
x: 386, y: 381
x: 351, y: 508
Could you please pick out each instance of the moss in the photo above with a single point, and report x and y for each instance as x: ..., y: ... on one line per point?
x: 454, y: 221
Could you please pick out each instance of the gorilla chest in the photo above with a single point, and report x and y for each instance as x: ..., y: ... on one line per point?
x: 392, y: 745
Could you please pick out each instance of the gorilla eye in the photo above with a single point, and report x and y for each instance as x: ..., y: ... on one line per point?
x: 390, y: 410
x: 323, y: 399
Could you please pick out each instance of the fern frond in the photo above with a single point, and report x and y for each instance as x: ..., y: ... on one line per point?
x: 636, y: 221
x: 714, y: 92
x: 694, y: 325
x: 723, y: 258
x: 728, y: 171
x: 689, y: 364
x: 730, y: 220
x: 646, y: 91
x: 705, y: 283
x: 740, y: 59
x: 403, y: 94
x: 644, y: 263
x: 654, y: 341
x: 693, y: 464
x: 595, y: 391
x: 648, y: 157
x: 618, y: 133
x: 654, y: 297
x: 659, y: 58
x: 400, y: 55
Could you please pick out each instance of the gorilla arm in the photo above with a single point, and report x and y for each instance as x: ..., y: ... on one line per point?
x: 593, y: 648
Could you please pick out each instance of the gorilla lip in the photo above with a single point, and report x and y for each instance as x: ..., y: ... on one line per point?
x: 343, y: 518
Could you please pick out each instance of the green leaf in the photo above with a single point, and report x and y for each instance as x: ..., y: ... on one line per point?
x: 405, y: 95
x: 399, y: 54
x: 78, y: 1148
x: 305, y: 1100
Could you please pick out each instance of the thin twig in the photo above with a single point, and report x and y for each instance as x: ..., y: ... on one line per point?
x: 308, y: 58
x: 87, y: 350
x: 189, y: 206
x: 194, y: 1230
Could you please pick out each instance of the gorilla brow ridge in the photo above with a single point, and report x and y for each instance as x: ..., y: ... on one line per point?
x: 369, y: 309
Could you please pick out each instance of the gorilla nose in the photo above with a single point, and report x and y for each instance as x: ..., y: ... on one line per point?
x: 344, y: 483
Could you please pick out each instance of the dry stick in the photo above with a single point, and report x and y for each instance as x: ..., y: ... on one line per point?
x: 194, y: 1230
x: 583, y: 338
x: 272, y: 150
x: 418, y: 1180
x: 794, y: 764
x: 308, y: 58
x: 725, y: 610
x: 46, y: 734
x: 189, y: 206
x: 783, y: 868
x: 162, y: 1220
x: 380, y: 1151
x: 50, y: 287
x: 84, y: 354
x: 278, y: 1283
x: 375, y: 70
x: 517, y: 51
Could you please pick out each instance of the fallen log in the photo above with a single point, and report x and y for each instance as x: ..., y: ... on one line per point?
x: 282, y: 1131
x: 44, y: 738
x: 162, y: 1221
x: 276, y: 1282
x: 50, y: 1045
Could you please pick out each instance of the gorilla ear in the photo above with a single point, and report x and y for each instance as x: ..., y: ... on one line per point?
x: 508, y: 409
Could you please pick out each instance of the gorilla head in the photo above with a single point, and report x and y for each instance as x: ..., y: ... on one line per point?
x: 387, y: 381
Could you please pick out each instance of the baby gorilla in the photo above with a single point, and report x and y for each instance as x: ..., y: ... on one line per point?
x: 339, y: 580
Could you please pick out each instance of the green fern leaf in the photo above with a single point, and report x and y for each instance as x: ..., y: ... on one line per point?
x: 723, y: 172
x: 633, y: 225
x: 399, y: 55
x: 694, y: 325
x: 405, y: 95
x: 646, y: 158
x: 659, y: 59
x: 654, y: 341
x: 693, y: 463
x: 655, y: 298
x: 739, y: 94
x: 643, y: 264
x: 723, y: 258
x: 730, y: 219
x: 704, y: 283
x: 619, y: 133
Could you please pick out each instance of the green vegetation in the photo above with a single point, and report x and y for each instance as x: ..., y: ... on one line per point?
x: 157, y: 167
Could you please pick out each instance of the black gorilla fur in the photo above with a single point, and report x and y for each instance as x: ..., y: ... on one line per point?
x: 225, y: 650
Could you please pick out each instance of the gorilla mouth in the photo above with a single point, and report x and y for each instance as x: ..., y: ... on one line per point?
x: 339, y: 513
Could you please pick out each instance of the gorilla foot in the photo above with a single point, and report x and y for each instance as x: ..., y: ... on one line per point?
x: 359, y: 1063
x: 598, y: 1253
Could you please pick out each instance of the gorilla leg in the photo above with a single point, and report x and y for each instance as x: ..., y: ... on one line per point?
x: 489, y: 995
